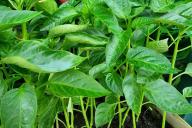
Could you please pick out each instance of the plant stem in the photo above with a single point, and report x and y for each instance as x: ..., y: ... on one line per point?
x: 125, y: 116
x: 84, y: 113
x: 72, y: 117
x: 171, y: 75
x: 119, y: 110
x: 91, y: 111
x: 24, y: 31
x: 133, y: 119
x: 57, y: 121
x: 178, y: 76
x: 65, y: 114
x: 183, y: 49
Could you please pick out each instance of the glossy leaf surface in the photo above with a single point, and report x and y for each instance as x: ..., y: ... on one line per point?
x: 72, y: 83
x: 19, y: 108
x: 36, y: 57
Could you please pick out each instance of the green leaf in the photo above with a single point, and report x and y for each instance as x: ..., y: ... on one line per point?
x: 160, y: 46
x: 141, y: 22
x: 149, y: 59
x: 121, y: 8
x: 107, y: 18
x: 48, y: 111
x: 36, y: 57
x: 66, y: 28
x: 167, y: 98
x: 72, y: 83
x: 116, y: 47
x: 114, y: 83
x: 188, y: 69
x: 49, y: 6
x: 104, y: 114
x: 95, y: 70
x: 10, y: 18
x: 133, y: 93
x: 84, y: 38
x: 19, y: 108
x: 187, y: 92
x: 59, y: 17
x: 160, y: 5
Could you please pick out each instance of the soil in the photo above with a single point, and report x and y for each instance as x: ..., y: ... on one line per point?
x: 149, y: 118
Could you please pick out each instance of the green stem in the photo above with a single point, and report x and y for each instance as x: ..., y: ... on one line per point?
x: 125, y: 116
x: 72, y: 118
x: 183, y: 49
x: 24, y: 31
x: 91, y: 111
x: 57, y: 121
x: 120, y: 113
x: 174, y: 58
x: 84, y: 113
x: 178, y: 76
x: 133, y: 119
x: 65, y: 114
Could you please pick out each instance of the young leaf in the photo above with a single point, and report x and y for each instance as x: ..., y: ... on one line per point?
x: 160, y: 5
x: 121, y: 8
x: 149, y: 59
x: 19, y: 107
x: 187, y: 92
x: 95, y: 70
x: 10, y: 18
x: 114, y: 83
x: 72, y: 83
x: 188, y: 69
x: 133, y: 93
x: 116, y: 47
x: 160, y: 46
x: 49, y: 6
x: 166, y: 97
x: 84, y: 38
x: 36, y: 57
x: 66, y: 28
x: 60, y: 16
x: 104, y: 114
x: 107, y: 17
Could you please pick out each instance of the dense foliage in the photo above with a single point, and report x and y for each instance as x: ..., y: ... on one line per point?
x: 102, y: 58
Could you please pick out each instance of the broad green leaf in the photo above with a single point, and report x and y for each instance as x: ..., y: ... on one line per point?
x: 19, y: 108
x: 10, y: 18
x: 114, y: 83
x: 95, y: 70
x: 188, y: 69
x: 36, y: 57
x: 174, y: 19
x: 116, y: 47
x: 145, y: 76
x: 160, y: 46
x: 141, y: 22
x: 59, y: 17
x: 166, y: 97
x: 160, y: 5
x: 149, y: 59
x: 72, y: 83
x: 133, y: 93
x: 66, y: 28
x: 121, y: 8
x: 47, y: 112
x: 49, y: 6
x: 104, y: 114
x: 107, y: 18
x: 183, y: 9
x: 187, y: 92
x: 73, y: 39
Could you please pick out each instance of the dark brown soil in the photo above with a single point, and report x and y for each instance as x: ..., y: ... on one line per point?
x: 149, y: 118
